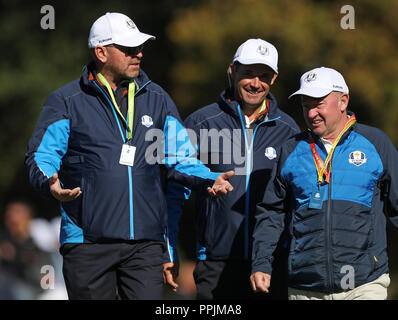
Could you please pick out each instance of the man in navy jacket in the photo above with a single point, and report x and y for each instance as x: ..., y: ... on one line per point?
x: 330, y: 187
x: 103, y: 146
x: 241, y: 132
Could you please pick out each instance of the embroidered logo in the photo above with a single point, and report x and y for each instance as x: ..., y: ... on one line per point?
x: 146, y: 121
x: 263, y: 50
x: 357, y: 158
x: 130, y: 24
x: 310, y: 77
x: 270, y: 153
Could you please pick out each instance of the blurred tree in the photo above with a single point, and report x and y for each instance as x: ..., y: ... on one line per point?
x: 307, y: 34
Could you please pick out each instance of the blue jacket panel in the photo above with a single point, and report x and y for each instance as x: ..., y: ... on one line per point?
x: 225, y: 224
x: 79, y: 135
x: 348, y: 231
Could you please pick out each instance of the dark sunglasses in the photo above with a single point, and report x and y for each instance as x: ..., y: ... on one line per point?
x: 130, y: 51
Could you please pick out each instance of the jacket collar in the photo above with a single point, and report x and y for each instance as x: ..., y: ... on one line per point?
x: 89, y: 75
x: 229, y: 105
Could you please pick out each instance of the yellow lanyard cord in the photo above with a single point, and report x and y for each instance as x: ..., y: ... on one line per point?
x: 130, y: 110
x: 320, y: 170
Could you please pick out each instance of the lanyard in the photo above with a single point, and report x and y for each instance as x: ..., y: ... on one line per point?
x: 130, y: 110
x: 321, y: 168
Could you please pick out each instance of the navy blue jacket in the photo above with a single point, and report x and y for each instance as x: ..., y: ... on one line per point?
x: 80, y: 135
x: 348, y: 231
x: 224, y: 224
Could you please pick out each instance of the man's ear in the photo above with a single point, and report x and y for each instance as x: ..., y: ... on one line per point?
x: 231, y: 71
x: 343, y: 101
x: 101, y: 53
x: 273, y: 78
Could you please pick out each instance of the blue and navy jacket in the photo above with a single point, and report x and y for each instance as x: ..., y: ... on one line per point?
x: 224, y: 224
x: 79, y: 135
x: 346, y: 236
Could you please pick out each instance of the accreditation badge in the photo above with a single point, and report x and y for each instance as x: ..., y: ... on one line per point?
x: 316, y: 198
x: 127, y: 155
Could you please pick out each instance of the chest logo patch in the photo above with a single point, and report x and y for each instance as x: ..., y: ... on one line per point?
x: 357, y: 158
x: 146, y: 121
x: 270, y: 153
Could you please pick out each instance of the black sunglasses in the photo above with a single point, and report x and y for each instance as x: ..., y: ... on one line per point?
x: 130, y: 51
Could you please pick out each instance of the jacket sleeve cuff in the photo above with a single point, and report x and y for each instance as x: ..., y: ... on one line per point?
x: 262, y: 265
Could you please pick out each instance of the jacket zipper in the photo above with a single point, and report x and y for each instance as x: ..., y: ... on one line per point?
x: 329, y: 234
x: 249, y: 149
x: 128, y: 168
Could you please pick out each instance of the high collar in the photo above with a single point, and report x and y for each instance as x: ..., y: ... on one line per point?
x: 230, y: 105
x: 89, y: 75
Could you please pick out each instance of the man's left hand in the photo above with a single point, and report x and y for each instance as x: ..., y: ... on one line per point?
x: 221, y: 186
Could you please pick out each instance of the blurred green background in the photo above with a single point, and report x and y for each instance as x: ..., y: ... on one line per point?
x: 196, y: 41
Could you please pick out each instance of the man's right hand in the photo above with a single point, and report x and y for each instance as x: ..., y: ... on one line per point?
x: 60, y: 194
x: 260, y: 281
x: 170, y: 274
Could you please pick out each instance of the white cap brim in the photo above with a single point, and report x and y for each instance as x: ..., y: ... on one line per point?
x: 256, y: 61
x: 312, y: 92
x: 135, y: 41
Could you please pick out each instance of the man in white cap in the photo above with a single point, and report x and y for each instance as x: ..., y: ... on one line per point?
x: 89, y: 151
x: 241, y: 131
x: 330, y: 188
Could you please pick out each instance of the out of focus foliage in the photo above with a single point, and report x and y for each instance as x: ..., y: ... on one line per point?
x: 307, y: 34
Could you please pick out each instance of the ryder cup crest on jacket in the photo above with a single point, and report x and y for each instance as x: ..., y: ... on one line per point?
x: 146, y: 121
x: 270, y: 153
x: 255, y: 51
x: 116, y: 28
x: 357, y: 158
x: 319, y: 82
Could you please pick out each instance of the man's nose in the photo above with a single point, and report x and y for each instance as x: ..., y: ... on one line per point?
x: 312, y: 112
x: 255, y: 83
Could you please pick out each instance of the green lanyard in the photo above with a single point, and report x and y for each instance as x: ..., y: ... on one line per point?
x: 130, y: 110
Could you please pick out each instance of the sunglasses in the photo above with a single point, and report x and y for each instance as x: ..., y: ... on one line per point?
x: 130, y: 51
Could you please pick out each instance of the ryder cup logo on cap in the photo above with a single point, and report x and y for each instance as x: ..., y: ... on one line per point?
x: 255, y: 51
x: 263, y: 50
x: 310, y: 77
x: 116, y: 28
x: 131, y: 24
x: 320, y: 82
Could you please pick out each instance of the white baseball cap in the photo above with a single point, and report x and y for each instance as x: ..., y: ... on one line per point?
x: 319, y: 82
x: 116, y: 28
x: 257, y: 51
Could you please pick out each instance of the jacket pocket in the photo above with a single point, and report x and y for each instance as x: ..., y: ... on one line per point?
x: 67, y: 160
x: 105, y: 206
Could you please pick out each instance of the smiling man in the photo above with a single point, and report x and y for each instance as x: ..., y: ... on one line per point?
x: 246, y: 122
x: 88, y: 151
x: 334, y: 185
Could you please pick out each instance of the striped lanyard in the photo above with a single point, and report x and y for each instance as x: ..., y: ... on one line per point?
x: 322, y: 167
x: 130, y: 110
